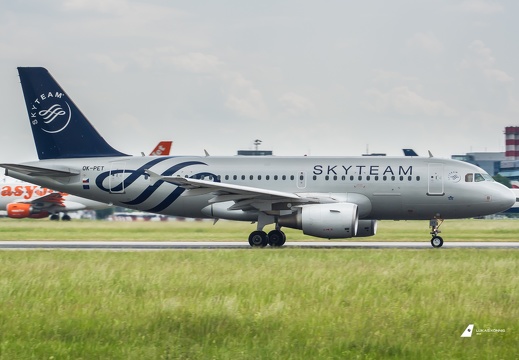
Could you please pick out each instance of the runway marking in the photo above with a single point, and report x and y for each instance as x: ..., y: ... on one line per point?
x: 176, y: 245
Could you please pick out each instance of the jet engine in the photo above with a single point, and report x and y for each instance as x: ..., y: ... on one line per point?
x: 332, y: 221
x: 21, y: 210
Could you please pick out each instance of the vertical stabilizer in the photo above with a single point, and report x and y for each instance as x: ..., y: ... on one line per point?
x: 59, y: 128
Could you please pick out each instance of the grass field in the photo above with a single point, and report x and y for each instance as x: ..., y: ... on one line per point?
x: 452, y: 230
x: 259, y: 304
x: 269, y: 303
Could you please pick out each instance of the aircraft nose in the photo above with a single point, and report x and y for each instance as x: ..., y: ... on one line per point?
x: 506, y: 198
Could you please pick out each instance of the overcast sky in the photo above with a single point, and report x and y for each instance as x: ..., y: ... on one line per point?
x: 305, y: 77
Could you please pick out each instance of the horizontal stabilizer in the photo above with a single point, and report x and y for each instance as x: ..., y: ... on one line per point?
x: 37, y: 171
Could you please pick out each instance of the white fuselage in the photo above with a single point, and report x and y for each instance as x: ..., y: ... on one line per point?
x: 395, y: 188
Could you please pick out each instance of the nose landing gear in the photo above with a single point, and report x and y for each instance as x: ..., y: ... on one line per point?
x: 436, y: 241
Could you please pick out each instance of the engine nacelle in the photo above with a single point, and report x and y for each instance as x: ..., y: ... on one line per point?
x: 21, y: 210
x: 366, y: 228
x: 221, y: 211
x: 331, y: 221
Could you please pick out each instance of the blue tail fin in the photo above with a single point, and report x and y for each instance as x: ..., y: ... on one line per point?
x: 59, y: 128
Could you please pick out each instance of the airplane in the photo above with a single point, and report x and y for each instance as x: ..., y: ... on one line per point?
x: 326, y: 197
x: 25, y: 200
x: 409, y: 152
x: 162, y: 149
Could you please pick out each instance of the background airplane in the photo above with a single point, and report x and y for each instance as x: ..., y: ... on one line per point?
x: 327, y: 197
x: 25, y: 200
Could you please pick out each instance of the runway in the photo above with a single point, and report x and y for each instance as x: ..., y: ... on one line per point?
x: 179, y: 245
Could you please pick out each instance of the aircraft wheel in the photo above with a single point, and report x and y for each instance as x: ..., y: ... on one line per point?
x: 277, y: 238
x: 437, y: 241
x: 258, y: 239
x: 54, y: 217
x: 65, y: 217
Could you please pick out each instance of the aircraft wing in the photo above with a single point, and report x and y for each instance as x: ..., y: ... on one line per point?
x: 50, y: 199
x: 53, y: 199
x: 210, y: 186
x: 244, y: 197
x: 37, y: 171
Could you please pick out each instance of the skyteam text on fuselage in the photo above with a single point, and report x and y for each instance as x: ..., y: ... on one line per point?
x: 328, y: 197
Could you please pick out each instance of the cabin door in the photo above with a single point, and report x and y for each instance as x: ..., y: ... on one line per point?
x: 116, y: 178
x: 435, y: 182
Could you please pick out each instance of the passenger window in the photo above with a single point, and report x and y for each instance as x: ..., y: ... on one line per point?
x: 469, y: 177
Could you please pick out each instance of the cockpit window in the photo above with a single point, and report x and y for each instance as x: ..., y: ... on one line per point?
x: 487, y: 177
x: 477, y: 177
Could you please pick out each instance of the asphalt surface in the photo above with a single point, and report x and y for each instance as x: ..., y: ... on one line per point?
x: 178, y: 245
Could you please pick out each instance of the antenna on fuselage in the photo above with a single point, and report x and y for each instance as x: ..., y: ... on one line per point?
x: 430, y: 153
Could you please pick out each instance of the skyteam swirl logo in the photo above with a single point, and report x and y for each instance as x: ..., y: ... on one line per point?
x: 51, y: 115
x: 56, y: 113
x: 150, y: 189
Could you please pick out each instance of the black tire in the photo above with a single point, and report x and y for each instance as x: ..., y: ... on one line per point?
x: 66, y: 218
x: 277, y: 238
x: 54, y: 217
x: 258, y: 239
x: 437, y: 241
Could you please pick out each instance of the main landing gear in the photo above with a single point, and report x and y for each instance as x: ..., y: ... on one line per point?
x: 55, y: 217
x: 436, y: 241
x: 259, y: 238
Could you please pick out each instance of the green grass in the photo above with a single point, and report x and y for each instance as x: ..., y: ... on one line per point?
x: 258, y: 304
x: 452, y: 230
